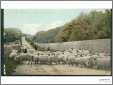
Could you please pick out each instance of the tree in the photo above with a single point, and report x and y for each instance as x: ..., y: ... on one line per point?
x: 12, y: 34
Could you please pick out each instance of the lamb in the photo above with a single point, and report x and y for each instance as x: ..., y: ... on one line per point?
x: 31, y: 51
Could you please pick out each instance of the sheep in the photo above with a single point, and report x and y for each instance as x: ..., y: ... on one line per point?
x: 103, y: 62
x: 78, y: 57
x: 13, y: 54
x: 31, y: 51
x: 43, y: 59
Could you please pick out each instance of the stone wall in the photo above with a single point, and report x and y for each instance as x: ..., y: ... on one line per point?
x: 98, y: 45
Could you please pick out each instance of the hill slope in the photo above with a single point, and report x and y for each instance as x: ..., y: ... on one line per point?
x: 94, y: 25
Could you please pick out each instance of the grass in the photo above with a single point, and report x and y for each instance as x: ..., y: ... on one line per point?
x: 10, y: 65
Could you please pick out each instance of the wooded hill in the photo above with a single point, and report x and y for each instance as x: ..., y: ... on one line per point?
x: 93, y: 25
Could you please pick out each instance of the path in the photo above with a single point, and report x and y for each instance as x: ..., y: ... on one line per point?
x: 57, y: 70
x: 26, y: 44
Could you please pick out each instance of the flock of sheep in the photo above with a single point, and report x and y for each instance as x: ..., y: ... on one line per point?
x: 77, y: 57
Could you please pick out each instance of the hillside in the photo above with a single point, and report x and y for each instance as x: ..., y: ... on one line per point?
x: 94, y: 25
x: 46, y: 36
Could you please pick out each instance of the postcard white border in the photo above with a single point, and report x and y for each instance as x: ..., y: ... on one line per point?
x: 55, y: 4
x: 56, y: 79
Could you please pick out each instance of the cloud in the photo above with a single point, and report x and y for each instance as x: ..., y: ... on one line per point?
x: 53, y: 25
x: 29, y: 28
x: 34, y: 28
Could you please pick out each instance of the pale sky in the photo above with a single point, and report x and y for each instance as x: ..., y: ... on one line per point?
x: 30, y: 21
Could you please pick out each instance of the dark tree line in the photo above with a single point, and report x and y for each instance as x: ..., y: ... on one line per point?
x: 12, y: 34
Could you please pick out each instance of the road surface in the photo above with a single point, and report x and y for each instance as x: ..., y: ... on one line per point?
x: 26, y: 44
x: 57, y: 70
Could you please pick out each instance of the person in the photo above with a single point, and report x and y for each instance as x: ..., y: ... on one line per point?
x: 25, y: 50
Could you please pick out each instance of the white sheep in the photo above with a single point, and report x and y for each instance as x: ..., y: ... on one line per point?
x: 13, y: 54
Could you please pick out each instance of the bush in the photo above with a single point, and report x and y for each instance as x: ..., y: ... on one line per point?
x: 11, y: 35
x: 10, y: 64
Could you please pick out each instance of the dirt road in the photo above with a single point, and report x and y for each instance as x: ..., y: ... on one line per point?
x: 57, y: 70
x: 26, y: 44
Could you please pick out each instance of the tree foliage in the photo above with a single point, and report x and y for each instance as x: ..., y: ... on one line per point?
x: 95, y: 25
x: 12, y: 34
x: 46, y: 36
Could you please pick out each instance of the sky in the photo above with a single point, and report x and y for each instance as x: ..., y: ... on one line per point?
x: 30, y: 21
